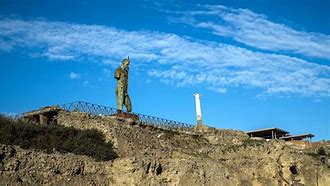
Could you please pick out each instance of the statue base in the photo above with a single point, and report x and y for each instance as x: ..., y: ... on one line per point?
x: 201, y: 127
x: 126, y: 115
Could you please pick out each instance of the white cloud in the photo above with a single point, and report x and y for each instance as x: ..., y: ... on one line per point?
x: 9, y: 114
x: 108, y: 72
x: 257, y: 30
x: 73, y: 75
x: 86, y: 83
x: 110, y: 62
x: 175, y: 60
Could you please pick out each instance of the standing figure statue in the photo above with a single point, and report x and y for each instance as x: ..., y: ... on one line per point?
x: 121, y: 74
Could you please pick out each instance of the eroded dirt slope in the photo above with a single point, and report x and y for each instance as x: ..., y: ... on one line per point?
x: 152, y: 156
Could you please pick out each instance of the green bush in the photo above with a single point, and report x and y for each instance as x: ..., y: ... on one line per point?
x: 318, y: 152
x: 90, y: 142
x: 321, y: 151
x: 252, y: 142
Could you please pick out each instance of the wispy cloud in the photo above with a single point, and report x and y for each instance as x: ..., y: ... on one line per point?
x: 86, y: 83
x: 173, y: 59
x: 107, y: 72
x: 73, y: 75
x: 257, y: 30
x: 9, y: 114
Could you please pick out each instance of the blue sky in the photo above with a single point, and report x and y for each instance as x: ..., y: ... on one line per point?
x: 257, y: 64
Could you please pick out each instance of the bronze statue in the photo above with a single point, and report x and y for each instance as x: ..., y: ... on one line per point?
x: 121, y: 74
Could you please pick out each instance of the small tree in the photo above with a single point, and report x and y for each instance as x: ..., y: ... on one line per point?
x: 321, y: 151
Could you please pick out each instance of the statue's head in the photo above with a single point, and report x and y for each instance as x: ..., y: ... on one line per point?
x: 125, y: 63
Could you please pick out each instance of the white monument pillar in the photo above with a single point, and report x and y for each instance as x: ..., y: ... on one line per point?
x: 198, y: 109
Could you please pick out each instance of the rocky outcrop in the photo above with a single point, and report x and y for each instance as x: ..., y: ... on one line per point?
x: 154, y: 156
x: 33, y: 167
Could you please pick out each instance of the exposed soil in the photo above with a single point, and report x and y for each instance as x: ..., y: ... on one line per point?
x: 154, y: 156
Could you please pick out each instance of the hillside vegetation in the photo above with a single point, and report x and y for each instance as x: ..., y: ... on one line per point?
x: 82, y: 149
x: 90, y: 142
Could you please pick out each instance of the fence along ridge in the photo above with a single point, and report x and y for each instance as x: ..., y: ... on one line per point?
x: 99, y: 110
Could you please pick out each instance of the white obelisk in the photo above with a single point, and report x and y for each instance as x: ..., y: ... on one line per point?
x: 198, y: 109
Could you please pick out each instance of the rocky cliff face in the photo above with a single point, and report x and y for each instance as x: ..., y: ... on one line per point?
x: 153, y: 156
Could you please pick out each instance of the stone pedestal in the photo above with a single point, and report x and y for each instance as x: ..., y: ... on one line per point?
x: 200, y: 127
x: 126, y: 115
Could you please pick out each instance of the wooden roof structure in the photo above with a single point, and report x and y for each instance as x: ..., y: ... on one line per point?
x: 297, y: 137
x: 268, y: 133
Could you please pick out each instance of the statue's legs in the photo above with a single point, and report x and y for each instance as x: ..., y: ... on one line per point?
x: 123, y: 99
x: 120, y: 98
x: 127, y: 102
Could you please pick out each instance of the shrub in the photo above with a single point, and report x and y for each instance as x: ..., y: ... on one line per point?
x: 252, y: 142
x: 321, y: 151
x: 89, y: 142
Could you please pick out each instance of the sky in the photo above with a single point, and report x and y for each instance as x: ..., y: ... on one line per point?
x: 257, y: 64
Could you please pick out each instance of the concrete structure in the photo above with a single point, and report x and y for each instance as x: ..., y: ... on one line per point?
x: 298, y: 137
x: 44, y: 116
x: 198, y: 109
x: 276, y: 133
x: 268, y: 133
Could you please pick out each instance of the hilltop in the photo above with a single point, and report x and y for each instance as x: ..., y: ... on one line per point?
x: 107, y: 150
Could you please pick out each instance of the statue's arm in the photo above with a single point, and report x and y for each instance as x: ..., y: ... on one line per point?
x: 117, y: 73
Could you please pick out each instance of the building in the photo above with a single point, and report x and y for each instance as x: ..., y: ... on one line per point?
x: 298, y: 137
x: 268, y: 133
x: 276, y: 133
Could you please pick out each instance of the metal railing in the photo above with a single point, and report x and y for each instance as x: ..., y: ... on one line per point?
x: 99, y: 110
x: 89, y: 108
